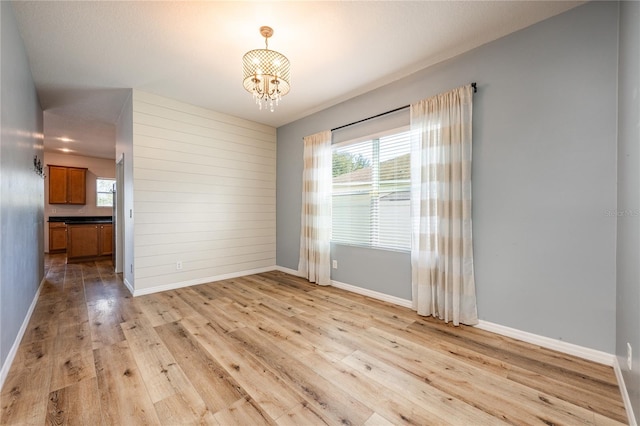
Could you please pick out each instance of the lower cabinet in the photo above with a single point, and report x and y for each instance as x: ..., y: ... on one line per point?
x: 106, y: 239
x: 88, y: 241
x: 57, y: 237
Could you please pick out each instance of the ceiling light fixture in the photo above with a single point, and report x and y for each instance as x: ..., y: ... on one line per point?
x: 266, y: 73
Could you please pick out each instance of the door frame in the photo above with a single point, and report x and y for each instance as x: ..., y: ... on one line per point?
x: 118, y: 219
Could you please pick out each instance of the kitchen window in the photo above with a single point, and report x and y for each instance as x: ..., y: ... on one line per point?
x: 104, y: 192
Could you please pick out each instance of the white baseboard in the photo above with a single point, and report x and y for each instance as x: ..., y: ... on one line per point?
x: 16, y: 343
x: 189, y: 283
x: 129, y: 286
x: 625, y: 394
x: 546, y: 342
x: 373, y: 294
x: 354, y: 289
x: 549, y: 343
x: 288, y: 271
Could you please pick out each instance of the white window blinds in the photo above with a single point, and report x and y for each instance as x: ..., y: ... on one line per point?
x: 371, y: 190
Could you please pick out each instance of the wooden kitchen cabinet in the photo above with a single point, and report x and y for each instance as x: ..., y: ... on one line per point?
x: 67, y: 185
x: 57, y: 185
x: 106, y: 239
x: 57, y: 237
x: 82, y: 241
x: 88, y: 241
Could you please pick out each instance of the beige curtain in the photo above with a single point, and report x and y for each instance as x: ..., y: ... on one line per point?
x: 315, y: 226
x: 442, y: 251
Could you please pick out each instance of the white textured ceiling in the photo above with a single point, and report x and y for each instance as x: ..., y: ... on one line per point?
x: 83, y: 54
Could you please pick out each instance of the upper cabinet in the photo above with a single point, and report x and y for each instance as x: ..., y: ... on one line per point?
x: 67, y: 185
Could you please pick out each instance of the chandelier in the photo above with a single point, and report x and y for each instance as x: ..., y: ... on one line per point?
x: 266, y: 73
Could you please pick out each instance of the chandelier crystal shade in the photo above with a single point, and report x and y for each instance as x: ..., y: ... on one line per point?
x: 266, y: 73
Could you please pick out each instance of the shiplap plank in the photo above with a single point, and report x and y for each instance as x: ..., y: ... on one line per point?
x: 206, y: 274
x: 186, y: 179
x: 203, y: 256
x: 142, y: 98
x: 212, y: 226
x: 209, y: 157
x: 177, y: 218
x: 200, y: 246
x: 234, y: 143
x: 147, y: 191
x: 215, y: 237
x: 204, y: 188
x: 248, y: 171
x: 198, y: 127
x: 216, y: 149
x: 167, y: 274
x: 206, y: 201
x: 216, y: 207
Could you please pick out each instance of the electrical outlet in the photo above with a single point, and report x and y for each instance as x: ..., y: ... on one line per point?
x: 335, y: 264
x: 178, y: 265
x: 629, y: 356
x: 53, y: 210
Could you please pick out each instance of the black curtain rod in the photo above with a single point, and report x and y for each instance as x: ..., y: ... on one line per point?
x: 475, y: 90
x: 370, y: 118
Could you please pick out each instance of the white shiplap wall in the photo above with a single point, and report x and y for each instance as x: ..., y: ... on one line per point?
x: 204, y: 194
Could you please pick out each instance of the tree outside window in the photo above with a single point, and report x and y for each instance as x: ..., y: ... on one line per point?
x: 371, y: 192
x: 104, y: 192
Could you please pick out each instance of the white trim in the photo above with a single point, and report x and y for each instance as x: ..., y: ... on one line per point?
x: 549, y: 343
x: 288, y: 271
x: 129, y: 286
x: 546, y: 342
x: 625, y: 394
x: 16, y: 343
x: 373, y: 294
x: 189, y: 283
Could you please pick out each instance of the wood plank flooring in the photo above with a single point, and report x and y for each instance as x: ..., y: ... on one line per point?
x: 272, y: 349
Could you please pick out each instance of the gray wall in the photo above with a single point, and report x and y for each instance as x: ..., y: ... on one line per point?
x: 544, y: 174
x: 21, y: 189
x: 628, y: 250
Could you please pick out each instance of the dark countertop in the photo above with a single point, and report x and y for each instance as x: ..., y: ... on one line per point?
x: 74, y: 220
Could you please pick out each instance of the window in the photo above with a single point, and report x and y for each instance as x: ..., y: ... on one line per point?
x: 371, y: 192
x: 104, y: 192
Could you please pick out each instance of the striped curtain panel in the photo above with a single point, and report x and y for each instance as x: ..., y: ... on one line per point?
x: 315, y: 226
x: 442, y: 276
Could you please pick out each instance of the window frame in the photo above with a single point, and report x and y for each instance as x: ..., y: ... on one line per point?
x: 376, y: 195
x: 113, y: 181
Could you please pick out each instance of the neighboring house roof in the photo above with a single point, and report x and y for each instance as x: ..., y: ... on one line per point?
x: 398, y: 168
x: 397, y: 196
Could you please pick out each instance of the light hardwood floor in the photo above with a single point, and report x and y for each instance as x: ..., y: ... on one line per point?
x: 274, y: 349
